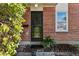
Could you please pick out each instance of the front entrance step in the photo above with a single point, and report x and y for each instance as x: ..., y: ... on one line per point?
x: 35, y: 54
x: 45, y: 54
x: 24, y: 54
x: 30, y: 43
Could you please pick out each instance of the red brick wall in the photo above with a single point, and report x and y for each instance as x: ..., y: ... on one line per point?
x: 48, y: 21
x: 73, y: 21
x: 26, y: 35
x: 49, y: 24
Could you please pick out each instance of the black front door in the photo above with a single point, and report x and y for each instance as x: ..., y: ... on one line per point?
x: 36, y: 25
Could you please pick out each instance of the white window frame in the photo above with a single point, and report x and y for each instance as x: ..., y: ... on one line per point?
x: 56, y: 29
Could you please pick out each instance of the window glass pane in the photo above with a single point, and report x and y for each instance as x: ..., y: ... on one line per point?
x: 61, y: 27
x: 61, y: 17
x: 61, y: 21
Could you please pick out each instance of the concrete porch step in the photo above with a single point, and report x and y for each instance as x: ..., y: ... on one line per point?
x: 24, y: 54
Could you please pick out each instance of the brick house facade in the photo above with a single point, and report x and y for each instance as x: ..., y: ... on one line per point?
x: 72, y: 36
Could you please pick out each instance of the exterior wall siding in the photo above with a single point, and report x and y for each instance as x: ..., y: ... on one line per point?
x: 26, y: 35
x: 49, y: 24
x: 73, y: 19
x: 48, y: 21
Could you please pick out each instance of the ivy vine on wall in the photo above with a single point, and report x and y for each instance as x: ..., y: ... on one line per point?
x: 10, y: 27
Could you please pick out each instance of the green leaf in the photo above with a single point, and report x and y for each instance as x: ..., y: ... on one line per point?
x: 5, y: 27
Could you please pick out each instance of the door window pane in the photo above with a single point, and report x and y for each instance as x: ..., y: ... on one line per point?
x: 37, y: 25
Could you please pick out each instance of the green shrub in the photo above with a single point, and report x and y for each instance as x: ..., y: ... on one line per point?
x: 48, y: 42
x: 10, y: 27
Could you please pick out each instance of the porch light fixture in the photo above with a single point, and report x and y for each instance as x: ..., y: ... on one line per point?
x: 36, y: 5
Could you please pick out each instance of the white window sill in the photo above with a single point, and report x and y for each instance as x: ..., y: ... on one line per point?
x: 61, y: 31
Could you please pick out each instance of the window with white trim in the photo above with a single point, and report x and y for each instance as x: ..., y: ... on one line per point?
x: 61, y: 19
